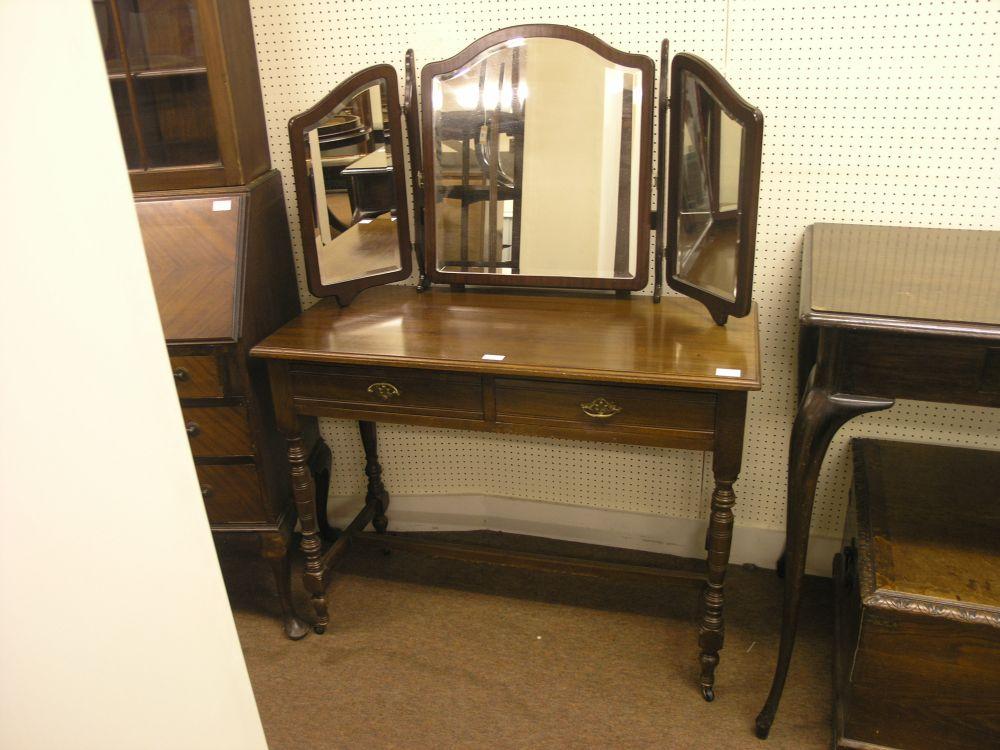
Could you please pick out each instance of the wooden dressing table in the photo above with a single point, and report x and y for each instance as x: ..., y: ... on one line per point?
x: 574, y: 366
x: 531, y: 208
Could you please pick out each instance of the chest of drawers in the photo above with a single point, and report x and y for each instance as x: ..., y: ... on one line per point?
x: 221, y: 266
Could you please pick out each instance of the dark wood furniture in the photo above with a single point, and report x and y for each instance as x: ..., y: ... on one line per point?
x: 917, y: 653
x: 885, y: 313
x: 495, y: 205
x: 184, y: 78
x: 221, y: 265
x: 565, y: 365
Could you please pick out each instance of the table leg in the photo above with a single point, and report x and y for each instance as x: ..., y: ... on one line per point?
x: 377, y: 495
x: 274, y: 548
x: 304, y: 492
x: 726, y: 459
x: 820, y: 415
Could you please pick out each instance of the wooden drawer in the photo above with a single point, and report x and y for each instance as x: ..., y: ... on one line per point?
x: 197, y: 376
x: 603, y: 407
x: 391, y: 390
x: 218, y: 431
x: 232, y: 493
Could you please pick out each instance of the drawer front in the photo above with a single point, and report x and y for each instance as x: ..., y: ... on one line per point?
x: 232, y: 493
x: 218, y: 431
x: 391, y: 390
x: 603, y: 407
x: 197, y: 376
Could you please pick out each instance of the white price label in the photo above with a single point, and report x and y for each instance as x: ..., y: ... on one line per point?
x: 226, y: 205
x: 725, y: 372
x: 495, y: 357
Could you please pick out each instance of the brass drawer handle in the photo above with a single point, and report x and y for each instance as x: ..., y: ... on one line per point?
x: 181, y: 375
x: 600, y: 408
x: 206, y: 491
x: 193, y: 429
x: 384, y: 391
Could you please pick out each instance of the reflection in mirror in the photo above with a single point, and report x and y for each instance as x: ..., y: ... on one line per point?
x: 536, y: 157
x: 350, y: 173
x: 709, y: 211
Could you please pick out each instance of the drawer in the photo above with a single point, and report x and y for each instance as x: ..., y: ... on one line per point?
x: 232, y: 493
x: 603, y: 407
x: 218, y: 430
x: 392, y: 390
x: 197, y: 376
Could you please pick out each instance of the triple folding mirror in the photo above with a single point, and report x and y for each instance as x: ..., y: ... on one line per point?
x: 530, y: 160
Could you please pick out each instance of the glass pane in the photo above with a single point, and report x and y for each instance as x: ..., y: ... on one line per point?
x: 536, y: 162
x: 104, y: 14
x: 161, y: 34
x: 120, y: 93
x: 350, y: 170
x: 175, y: 114
x: 709, y: 211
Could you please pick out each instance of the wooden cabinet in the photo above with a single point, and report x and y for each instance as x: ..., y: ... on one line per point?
x: 222, y: 271
x: 917, y: 654
x: 183, y: 74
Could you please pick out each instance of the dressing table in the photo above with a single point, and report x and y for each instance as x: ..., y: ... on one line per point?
x: 507, y: 200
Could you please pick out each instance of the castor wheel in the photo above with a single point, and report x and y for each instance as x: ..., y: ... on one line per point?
x: 708, y: 694
x: 779, y: 567
x: 319, y: 629
x: 762, y: 730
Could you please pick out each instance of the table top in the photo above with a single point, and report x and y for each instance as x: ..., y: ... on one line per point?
x: 549, y: 334
x: 377, y: 161
x: 944, y: 281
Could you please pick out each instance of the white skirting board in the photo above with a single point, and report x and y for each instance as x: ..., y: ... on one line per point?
x: 612, y: 528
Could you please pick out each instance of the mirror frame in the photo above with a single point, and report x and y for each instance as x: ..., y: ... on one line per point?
x: 752, y: 121
x: 466, y: 56
x: 411, y: 114
x: 345, y: 291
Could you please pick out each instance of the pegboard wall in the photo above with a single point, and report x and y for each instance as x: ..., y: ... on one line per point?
x: 874, y: 112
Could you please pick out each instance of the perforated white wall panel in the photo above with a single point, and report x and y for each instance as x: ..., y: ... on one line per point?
x: 875, y: 112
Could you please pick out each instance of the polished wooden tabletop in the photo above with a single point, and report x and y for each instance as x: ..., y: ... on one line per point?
x: 550, y: 334
x: 941, y: 280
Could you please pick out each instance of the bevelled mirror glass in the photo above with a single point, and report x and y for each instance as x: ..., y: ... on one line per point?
x: 348, y: 164
x: 536, y: 159
x: 715, y: 145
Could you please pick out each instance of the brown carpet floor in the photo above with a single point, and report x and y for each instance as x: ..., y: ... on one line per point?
x: 431, y: 653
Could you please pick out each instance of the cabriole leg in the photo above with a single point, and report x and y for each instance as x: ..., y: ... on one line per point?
x: 274, y: 548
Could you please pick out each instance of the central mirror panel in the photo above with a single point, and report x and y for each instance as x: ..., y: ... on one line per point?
x: 537, y: 162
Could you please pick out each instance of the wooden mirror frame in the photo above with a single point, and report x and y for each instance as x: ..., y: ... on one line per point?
x: 752, y: 121
x: 466, y: 56
x: 345, y: 291
x: 411, y: 113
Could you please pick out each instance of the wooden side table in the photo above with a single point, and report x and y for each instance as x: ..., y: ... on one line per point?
x: 885, y: 313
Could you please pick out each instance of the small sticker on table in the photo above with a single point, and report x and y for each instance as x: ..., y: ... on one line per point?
x: 495, y: 357
x: 226, y: 205
x: 726, y: 372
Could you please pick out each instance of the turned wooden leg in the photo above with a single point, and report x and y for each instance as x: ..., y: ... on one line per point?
x: 727, y: 453
x: 377, y: 495
x: 274, y: 548
x: 321, y: 465
x: 304, y: 492
x: 712, y: 632
x: 820, y: 415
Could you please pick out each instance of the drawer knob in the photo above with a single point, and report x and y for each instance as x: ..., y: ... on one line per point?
x: 193, y: 429
x: 181, y: 375
x: 206, y: 491
x: 384, y: 391
x: 600, y: 408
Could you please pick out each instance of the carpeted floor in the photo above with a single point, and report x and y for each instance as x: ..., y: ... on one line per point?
x: 425, y: 653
